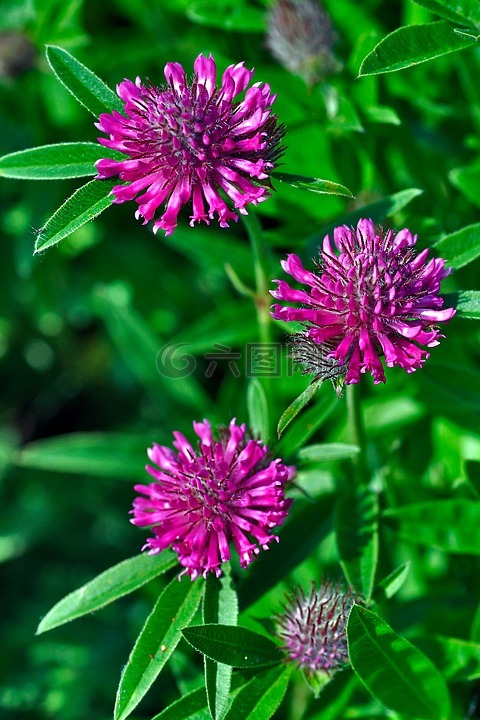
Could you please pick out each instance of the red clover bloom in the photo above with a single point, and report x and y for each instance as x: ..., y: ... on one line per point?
x: 192, y: 141
x: 227, y: 490
x: 371, y: 296
x: 313, y: 630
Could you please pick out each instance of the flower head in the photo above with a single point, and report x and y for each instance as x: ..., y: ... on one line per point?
x: 313, y: 628
x: 371, y: 296
x: 300, y: 37
x: 192, y: 141
x: 226, y: 490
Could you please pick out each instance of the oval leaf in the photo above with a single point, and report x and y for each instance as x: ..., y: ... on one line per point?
x: 235, y: 646
x: 112, y: 584
x: 328, y: 451
x: 115, y: 455
x: 466, y: 303
x: 292, y: 411
x: 261, y: 697
x: 323, y: 187
x: 54, y: 162
x: 450, y: 525
x: 84, y: 205
x: 258, y: 410
x: 158, y: 638
x: 461, y: 247
x: 356, y: 528
x: 412, y: 45
x: 393, y: 670
x: 82, y: 83
x: 220, y: 605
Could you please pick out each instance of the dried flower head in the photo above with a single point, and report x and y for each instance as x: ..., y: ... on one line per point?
x: 300, y: 37
x: 17, y: 54
x: 226, y: 490
x: 193, y: 142
x: 371, y: 296
x: 313, y: 629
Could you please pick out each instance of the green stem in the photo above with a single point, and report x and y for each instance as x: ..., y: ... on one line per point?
x: 262, y: 297
x: 357, y: 432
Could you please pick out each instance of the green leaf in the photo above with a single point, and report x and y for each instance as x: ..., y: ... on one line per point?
x: 461, y: 12
x: 313, y: 418
x: 158, y: 638
x: 377, y: 211
x: 412, y: 45
x: 472, y: 468
x: 391, y: 584
x: 394, y: 671
x: 356, y: 527
x: 449, y: 525
x: 82, y: 83
x: 220, y: 605
x: 323, y: 187
x: 115, y: 455
x: 258, y: 410
x: 235, y: 646
x: 466, y: 179
x: 292, y: 411
x: 326, y: 452
x: 194, y: 706
x: 475, y: 629
x: 261, y: 697
x: 112, y: 584
x: 54, y: 162
x: 458, y: 660
x: 466, y: 303
x: 458, y: 386
x: 84, y: 205
x: 461, y: 247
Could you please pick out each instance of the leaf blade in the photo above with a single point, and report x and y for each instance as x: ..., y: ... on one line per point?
x: 117, y: 581
x: 461, y: 247
x: 261, y: 697
x: 294, y: 408
x: 60, y: 161
x: 316, y: 185
x: 82, y: 83
x: 233, y: 645
x: 84, y: 205
x: 411, y: 45
x: 465, y: 302
x: 257, y: 406
x: 158, y: 638
x: 393, y: 670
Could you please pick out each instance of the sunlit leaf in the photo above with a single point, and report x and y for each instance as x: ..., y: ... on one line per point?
x: 458, y: 660
x: 220, y: 605
x: 84, y: 205
x: 461, y: 247
x: 262, y: 696
x: 112, y: 584
x: 461, y: 12
x: 323, y: 187
x: 466, y: 303
x: 54, y: 162
x: 326, y: 452
x: 158, y: 638
x: 292, y: 411
x: 393, y: 670
x: 412, y: 45
x: 82, y: 83
x: 235, y: 646
x: 258, y: 413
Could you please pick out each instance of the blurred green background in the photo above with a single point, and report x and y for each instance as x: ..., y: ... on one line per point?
x: 81, y: 325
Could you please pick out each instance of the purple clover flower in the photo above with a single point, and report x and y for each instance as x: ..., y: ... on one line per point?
x: 227, y: 490
x: 371, y: 296
x: 192, y: 142
x: 313, y: 628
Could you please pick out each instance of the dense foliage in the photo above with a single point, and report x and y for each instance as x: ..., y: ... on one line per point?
x: 112, y: 337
